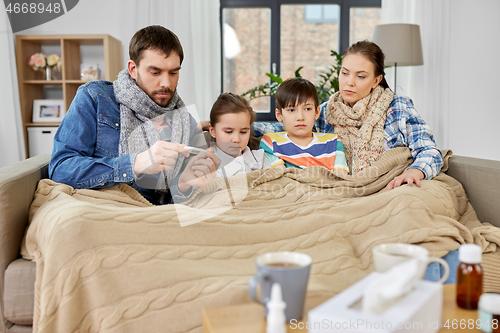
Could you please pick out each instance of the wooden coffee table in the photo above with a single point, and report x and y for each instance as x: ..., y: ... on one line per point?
x: 249, y: 318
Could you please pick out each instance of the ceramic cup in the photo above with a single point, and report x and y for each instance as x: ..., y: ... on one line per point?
x: 389, y: 255
x: 291, y: 271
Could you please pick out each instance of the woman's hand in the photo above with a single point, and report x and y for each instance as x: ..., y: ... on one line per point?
x: 410, y: 176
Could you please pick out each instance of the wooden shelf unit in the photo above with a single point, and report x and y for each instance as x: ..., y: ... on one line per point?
x: 32, y: 83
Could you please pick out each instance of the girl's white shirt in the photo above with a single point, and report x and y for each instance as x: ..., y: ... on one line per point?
x: 248, y: 161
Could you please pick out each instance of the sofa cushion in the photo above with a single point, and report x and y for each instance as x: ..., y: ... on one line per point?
x: 19, y: 292
x: 479, y: 178
x: 17, y: 185
x: 20, y: 329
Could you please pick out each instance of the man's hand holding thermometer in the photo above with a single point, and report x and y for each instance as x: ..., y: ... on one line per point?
x: 161, y: 156
x: 194, y: 150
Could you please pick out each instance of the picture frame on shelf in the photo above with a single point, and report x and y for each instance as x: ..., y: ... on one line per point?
x: 48, y: 110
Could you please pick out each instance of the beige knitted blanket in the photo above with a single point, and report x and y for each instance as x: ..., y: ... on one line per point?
x: 108, y: 261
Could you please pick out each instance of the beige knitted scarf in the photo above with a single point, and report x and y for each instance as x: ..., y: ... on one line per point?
x: 361, y: 127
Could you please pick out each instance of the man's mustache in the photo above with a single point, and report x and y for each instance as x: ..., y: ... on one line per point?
x: 164, y: 91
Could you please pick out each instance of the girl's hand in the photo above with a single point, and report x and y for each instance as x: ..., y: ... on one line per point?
x: 410, y: 176
x: 200, y: 171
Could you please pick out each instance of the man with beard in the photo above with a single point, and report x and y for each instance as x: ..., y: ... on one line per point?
x: 134, y: 130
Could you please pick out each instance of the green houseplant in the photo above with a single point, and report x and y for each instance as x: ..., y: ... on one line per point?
x: 327, y: 85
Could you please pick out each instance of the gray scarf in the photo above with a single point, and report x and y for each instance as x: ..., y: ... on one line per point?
x: 138, y: 132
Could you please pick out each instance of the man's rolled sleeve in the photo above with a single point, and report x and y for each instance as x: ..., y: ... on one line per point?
x: 123, y: 170
x: 177, y: 196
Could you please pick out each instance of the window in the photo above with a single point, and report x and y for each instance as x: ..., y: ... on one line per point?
x: 279, y: 36
x: 321, y: 13
x: 246, y: 51
x: 361, y: 23
x: 305, y: 43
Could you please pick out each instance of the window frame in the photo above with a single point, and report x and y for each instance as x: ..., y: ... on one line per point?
x: 275, y: 7
x: 322, y: 19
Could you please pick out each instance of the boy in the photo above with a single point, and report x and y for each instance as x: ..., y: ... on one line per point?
x: 297, y: 106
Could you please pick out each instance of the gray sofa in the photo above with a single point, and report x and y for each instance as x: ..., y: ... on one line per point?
x: 18, y: 182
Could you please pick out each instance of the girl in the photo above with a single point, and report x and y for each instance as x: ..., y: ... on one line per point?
x: 231, y: 120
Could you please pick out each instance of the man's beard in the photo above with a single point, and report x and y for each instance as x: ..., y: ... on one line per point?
x: 164, y: 101
x: 163, y: 91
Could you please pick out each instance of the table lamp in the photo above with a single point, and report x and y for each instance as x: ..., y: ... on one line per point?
x: 401, y: 45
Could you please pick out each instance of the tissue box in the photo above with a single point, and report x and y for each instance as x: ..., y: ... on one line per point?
x: 418, y: 311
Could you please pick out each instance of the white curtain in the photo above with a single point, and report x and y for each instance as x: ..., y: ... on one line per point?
x: 207, y: 56
x: 428, y: 85
x: 195, y: 22
x: 11, y: 135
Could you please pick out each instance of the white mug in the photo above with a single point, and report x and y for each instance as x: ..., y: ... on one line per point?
x: 389, y: 255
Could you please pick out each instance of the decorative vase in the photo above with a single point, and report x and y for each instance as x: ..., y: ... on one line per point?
x: 48, y: 73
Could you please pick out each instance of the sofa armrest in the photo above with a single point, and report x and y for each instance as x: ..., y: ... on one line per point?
x: 481, y: 181
x: 17, y: 186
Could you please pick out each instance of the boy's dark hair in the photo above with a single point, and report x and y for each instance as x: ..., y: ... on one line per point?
x: 230, y: 103
x: 155, y: 38
x: 295, y: 91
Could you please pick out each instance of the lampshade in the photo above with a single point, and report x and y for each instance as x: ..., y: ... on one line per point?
x: 400, y: 43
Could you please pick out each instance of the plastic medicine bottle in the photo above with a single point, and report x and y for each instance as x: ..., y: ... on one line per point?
x: 489, y: 313
x: 469, y: 276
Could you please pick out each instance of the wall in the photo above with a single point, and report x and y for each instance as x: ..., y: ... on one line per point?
x: 475, y: 74
x: 11, y: 139
x: 121, y: 19
x: 455, y: 89
x: 196, y: 23
x: 474, y: 46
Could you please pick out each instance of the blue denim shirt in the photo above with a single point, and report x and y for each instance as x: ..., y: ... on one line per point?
x: 85, y: 152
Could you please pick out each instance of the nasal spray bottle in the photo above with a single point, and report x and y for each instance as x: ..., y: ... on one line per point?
x: 276, y: 320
